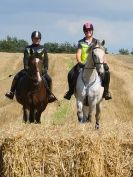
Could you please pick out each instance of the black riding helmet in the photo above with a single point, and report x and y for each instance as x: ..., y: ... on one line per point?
x: 36, y: 34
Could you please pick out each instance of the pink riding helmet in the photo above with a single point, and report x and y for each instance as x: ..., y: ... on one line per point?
x: 88, y: 25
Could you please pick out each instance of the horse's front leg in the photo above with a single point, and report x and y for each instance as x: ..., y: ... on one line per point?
x: 38, y: 117
x: 97, y: 115
x: 26, y: 115
x: 92, y: 109
x: 32, y: 114
x: 80, y: 111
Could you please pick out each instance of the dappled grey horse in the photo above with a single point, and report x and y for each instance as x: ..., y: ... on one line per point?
x: 89, y: 90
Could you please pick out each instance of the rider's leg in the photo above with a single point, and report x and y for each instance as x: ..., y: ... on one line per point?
x: 48, y: 79
x: 10, y: 94
x: 69, y: 93
x: 72, y: 79
x: 106, y: 93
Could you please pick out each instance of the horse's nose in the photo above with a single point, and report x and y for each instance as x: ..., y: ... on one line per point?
x: 101, y: 70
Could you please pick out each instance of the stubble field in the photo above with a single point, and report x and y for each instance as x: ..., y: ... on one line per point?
x: 61, y: 146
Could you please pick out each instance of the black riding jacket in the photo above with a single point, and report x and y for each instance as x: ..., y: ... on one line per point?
x: 39, y: 52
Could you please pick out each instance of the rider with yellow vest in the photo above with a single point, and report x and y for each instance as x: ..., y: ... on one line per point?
x: 81, y: 56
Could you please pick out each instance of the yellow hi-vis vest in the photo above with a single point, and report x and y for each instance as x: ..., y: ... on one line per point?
x: 84, y: 46
x: 84, y: 52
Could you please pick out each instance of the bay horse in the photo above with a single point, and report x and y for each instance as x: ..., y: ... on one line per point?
x: 89, y: 90
x: 31, y: 92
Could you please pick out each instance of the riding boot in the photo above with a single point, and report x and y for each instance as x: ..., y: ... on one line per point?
x: 72, y: 80
x: 106, y: 93
x: 70, y: 92
x: 51, y: 97
x: 10, y: 94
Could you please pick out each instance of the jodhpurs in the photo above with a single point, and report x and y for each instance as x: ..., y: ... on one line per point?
x: 73, y: 75
x: 48, y: 80
x: 106, y: 79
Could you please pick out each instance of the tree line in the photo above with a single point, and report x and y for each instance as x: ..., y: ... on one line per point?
x: 123, y: 51
x: 12, y: 44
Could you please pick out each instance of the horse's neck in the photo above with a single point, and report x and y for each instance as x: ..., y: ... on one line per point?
x: 89, y: 73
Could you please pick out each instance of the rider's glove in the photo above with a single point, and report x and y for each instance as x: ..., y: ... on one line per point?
x: 81, y: 65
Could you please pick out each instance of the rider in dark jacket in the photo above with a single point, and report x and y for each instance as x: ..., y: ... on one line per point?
x: 39, y: 52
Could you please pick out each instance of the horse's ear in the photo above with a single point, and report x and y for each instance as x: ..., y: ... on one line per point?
x: 94, y: 43
x: 103, y: 43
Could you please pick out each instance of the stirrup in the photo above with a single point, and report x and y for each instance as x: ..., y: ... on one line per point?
x: 10, y: 95
x: 107, y: 95
x: 51, y: 98
x: 68, y: 95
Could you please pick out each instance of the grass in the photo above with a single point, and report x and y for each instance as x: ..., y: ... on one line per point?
x: 61, y: 113
x: 70, y: 64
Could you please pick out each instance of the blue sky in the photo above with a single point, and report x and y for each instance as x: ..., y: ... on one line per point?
x: 62, y: 20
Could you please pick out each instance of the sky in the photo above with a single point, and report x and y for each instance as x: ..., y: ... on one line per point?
x: 62, y: 20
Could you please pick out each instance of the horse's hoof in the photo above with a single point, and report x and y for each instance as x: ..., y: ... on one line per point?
x: 28, y: 122
x: 97, y: 126
x: 37, y: 122
x: 82, y: 120
x: 24, y: 121
x: 88, y: 120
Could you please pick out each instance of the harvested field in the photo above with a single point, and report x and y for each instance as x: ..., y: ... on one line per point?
x: 60, y: 146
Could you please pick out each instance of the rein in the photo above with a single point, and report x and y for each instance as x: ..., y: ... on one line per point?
x: 89, y: 67
x: 89, y: 84
x: 96, y: 63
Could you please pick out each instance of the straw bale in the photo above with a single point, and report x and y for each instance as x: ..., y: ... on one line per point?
x: 86, y: 156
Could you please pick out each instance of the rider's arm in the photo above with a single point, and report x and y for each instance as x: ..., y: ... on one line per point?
x: 78, y: 55
x: 26, y: 59
x: 45, y: 61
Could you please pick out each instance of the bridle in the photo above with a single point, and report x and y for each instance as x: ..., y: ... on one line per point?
x: 93, y: 56
x: 33, y: 69
x: 94, y: 64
